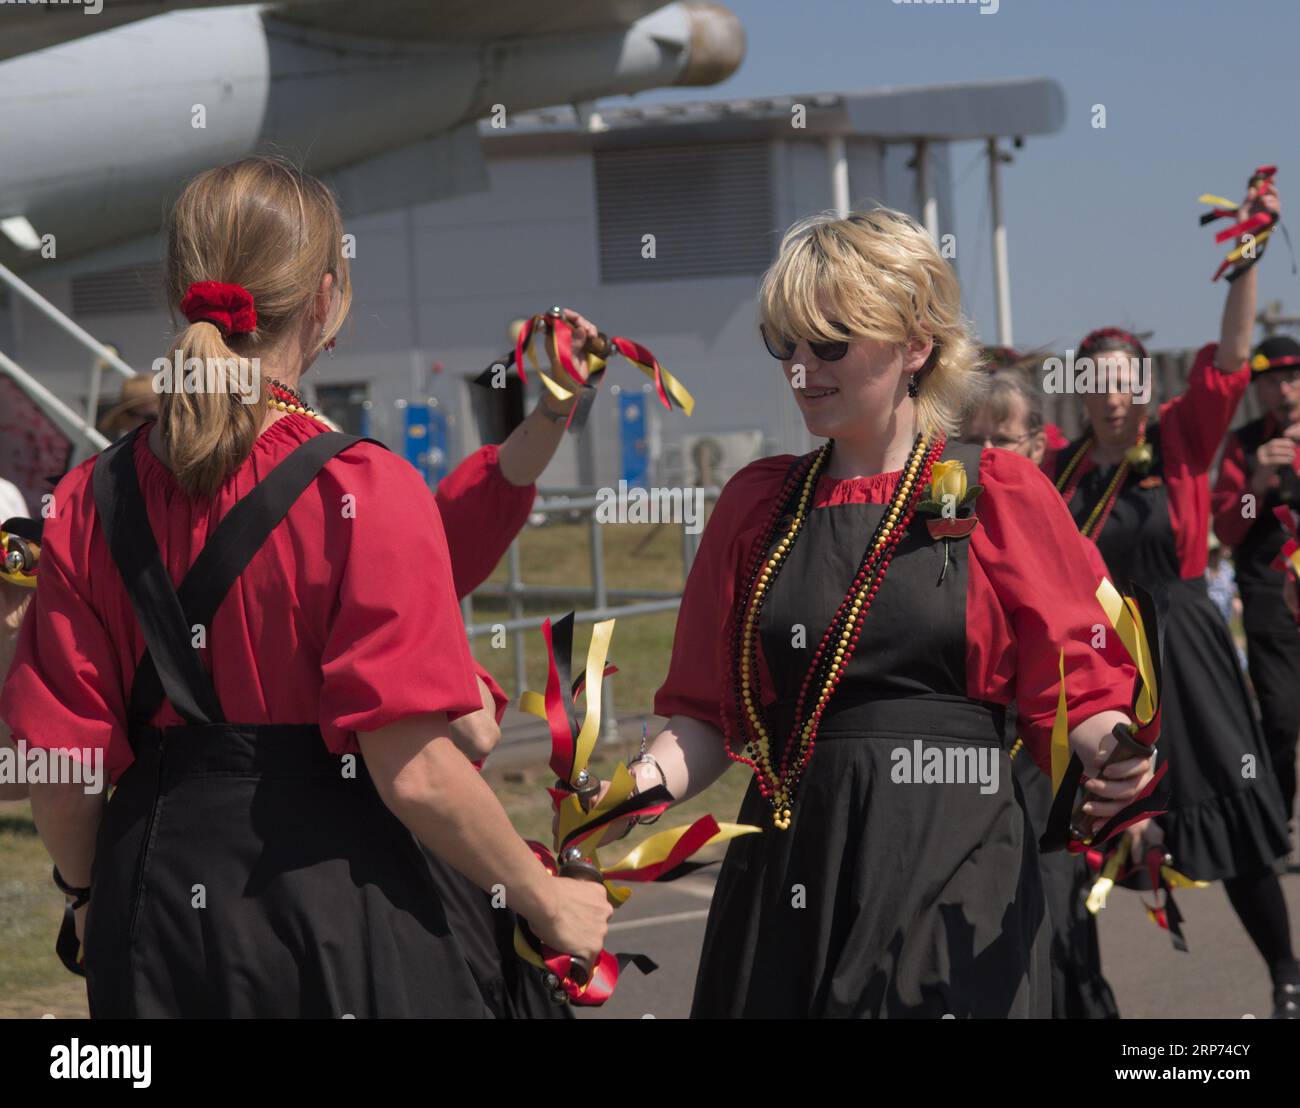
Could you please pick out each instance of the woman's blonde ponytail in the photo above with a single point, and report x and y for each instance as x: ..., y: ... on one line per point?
x: 271, y: 233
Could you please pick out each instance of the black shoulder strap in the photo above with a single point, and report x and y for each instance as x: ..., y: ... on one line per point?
x: 122, y: 514
x: 240, y: 534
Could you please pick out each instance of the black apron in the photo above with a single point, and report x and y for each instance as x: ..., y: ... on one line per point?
x: 883, y: 898
x: 1220, y: 823
x: 242, y: 869
x: 1272, y: 638
x: 1079, y: 989
x: 511, y: 987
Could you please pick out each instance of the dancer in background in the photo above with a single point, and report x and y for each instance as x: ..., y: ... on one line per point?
x: 822, y: 608
x: 1009, y: 416
x: 1258, y: 473
x: 1139, y: 487
x: 284, y: 878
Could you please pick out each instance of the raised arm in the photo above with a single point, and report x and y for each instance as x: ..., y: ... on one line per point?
x: 486, y: 499
x: 1196, y: 422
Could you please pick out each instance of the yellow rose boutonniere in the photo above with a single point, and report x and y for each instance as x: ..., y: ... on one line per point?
x: 950, y: 500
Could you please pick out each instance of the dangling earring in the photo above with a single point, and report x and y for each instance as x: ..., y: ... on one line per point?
x: 329, y: 345
x: 913, y: 387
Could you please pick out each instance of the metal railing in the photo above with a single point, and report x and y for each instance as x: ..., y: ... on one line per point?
x: 606, y: 602
x: 80, y: 430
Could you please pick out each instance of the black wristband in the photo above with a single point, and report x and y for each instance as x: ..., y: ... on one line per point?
x: 79, y: 895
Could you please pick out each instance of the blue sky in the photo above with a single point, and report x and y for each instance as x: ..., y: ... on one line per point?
x: 1101, y: 223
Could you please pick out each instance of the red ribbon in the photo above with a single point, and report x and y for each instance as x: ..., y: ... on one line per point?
x: 635, y: 352
x: 699, y: 833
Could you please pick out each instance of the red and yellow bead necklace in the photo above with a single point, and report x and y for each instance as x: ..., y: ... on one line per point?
x: 286, y: 399
x: 841, y: 637
x: 1068, y: 483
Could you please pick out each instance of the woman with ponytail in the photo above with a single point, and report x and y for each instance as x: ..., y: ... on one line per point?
x: 252, y: 620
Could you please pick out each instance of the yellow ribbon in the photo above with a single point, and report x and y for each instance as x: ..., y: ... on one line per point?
x: 573, y: 818
x: 1060, y: 732
x: 534, y: 703
x: 1106, y: 879
x: 596, y: 653
x: 1126, y: 618
x: 554, y: 387
x: 657, y: 847
x: 1180, y: 880
x: 1260, y: 239
x: 1217, y: 201
x: 672, y: 386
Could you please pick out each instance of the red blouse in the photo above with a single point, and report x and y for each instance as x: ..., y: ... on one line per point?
x: 347, y: 619
x: 1031, y: 590
x: 1192, y: 426
x: 483, y: 514
x: 1233, y: 483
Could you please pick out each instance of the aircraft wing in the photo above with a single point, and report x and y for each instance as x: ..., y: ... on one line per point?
x: 26, y: 28
x: 461, y: 20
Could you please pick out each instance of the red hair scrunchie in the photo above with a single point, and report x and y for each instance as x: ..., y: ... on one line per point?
x: 228, y: 307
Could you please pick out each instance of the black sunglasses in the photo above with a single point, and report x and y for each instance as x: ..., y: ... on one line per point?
x: 783, y: 348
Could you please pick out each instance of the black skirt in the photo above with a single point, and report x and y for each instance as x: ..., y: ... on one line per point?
x: 240, y: 872
x: 882, y: 899
x: 511, y: 988
x: 1079, y: 991
x: 1225, y: 817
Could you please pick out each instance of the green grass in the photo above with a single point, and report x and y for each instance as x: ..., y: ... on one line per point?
x: 32, y: 981
x: 635, y: 557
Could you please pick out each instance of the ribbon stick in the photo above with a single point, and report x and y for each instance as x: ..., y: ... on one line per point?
x: 583, y: 375
x: 1153, y: 872
x: 1135, y: 622
x: 584, y: 812
x: 1260, y: 226
x: 20, y: 547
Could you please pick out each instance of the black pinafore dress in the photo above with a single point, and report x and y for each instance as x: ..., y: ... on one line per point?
x: 883, y: 898
x: 242, y: 870
x: 1221, y: 822
x: 1272, y: 639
